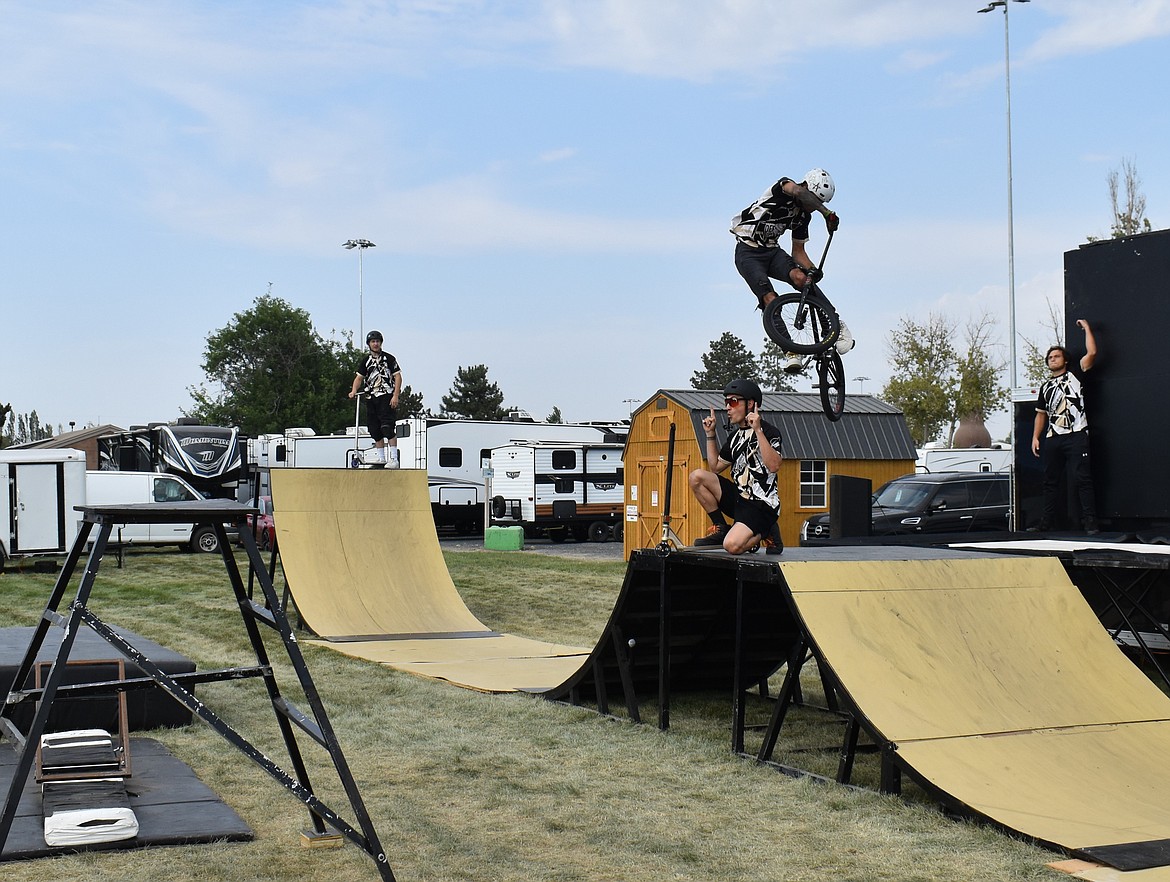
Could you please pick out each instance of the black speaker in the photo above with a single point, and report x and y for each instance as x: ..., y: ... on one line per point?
x: 849, y: 506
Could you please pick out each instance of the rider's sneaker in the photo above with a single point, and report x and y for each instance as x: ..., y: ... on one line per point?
x: 845, y: 341
x: 715, y: 535
x: 772, y: 543
x: 795, y: 363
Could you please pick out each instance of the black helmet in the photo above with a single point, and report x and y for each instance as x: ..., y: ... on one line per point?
x: 373, y: 335
x: 749, y: 390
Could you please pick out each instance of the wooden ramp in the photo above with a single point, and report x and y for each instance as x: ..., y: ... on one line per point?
x: 991, y: 682
x: 363, y: 563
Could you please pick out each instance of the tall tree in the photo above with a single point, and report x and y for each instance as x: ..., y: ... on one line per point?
x: 936, y: 382
x: 771, y: 366
x: 473, y: 396
x: 268, y: 369
x: 410, y: 403
x: 922, y: 380
x: 727, y: 359
x: 1052, y: 334
x: 21, y: 428
x: 555, y: 417
x: 1126, y: 201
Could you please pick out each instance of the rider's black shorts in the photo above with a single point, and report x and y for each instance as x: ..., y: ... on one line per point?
x: 380, y: 417
x: 759, y: 266
x: 757, y: 515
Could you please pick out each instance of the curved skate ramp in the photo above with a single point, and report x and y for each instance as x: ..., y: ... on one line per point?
x: 363, y: 562
x: 995, y: 684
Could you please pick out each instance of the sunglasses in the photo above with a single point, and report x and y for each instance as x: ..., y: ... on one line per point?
x: 732, y: 401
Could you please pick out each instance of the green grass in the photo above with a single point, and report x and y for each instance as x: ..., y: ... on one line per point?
x: 468, y: 786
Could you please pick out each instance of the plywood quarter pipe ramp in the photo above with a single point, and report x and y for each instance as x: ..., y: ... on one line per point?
x: 994, y: 684
x: 363, y: 563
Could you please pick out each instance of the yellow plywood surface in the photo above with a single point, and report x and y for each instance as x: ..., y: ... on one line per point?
x: 1078, y: 787
x: 998, y: 685
x: 946, y: 648
x: 359, y: 550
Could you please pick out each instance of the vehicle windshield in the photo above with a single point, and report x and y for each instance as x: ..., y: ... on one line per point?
x: 902, y: 494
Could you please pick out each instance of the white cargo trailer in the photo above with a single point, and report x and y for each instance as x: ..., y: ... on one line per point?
x: 39, y: 490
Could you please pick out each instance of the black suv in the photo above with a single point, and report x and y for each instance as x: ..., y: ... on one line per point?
x: 944, y: 502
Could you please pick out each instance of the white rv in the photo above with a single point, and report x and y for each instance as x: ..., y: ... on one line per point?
x: 963, y: 459
x: 39, y: 490
x: 561, y: 488
x: 456, y: 454
x: 303, y: 448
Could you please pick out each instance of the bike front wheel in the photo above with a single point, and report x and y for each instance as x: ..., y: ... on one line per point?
x: 831, y: 373
x: 805, y: 325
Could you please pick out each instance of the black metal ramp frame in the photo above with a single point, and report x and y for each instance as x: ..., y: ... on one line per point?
x: 270, y: 613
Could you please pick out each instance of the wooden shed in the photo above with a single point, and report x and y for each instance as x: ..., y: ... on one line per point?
x: 871, y: 440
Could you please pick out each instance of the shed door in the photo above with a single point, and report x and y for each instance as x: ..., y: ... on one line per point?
x: 652, y: 500
x: 39, y: 516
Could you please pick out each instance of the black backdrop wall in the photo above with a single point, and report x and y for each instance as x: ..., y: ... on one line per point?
x: 1122, y: 287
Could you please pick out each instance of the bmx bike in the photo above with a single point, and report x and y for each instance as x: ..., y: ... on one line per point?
x: 805, y: 322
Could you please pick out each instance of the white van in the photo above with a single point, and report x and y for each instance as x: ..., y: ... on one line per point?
x: 127, y: 488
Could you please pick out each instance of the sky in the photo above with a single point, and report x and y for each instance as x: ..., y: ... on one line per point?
x: 548, y: 183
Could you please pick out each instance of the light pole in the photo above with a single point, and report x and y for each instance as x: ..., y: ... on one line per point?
x: 1007, y: 67
x: 361, y: 245
x: 860, y: 381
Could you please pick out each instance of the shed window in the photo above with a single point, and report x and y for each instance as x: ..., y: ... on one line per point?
x: 813, y: 483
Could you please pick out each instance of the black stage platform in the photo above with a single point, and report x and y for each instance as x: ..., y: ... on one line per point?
x: 149, y: 708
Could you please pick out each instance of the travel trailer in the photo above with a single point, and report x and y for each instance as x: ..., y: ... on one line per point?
x: 456, y: 454
x: 964, y: 459
x: 559, y: 488
x: 39, y: 490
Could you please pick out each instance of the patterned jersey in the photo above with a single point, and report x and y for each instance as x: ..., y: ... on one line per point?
x: 379, y: 371
x: 1064, y: 402
x: 763, y: 222
x: 748, y: 471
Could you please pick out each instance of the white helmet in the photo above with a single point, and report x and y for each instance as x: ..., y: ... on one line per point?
x: 820, y: 184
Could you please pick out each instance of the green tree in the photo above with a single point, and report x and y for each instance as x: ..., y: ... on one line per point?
x: 473, y: 397
x: 21, y: 428
x: 1052, y: 331
x: 555, y: 417
x: 410, y: 403
x: 5, y: 429
x: 771, y: 368
x: 979, y: 390
x: 935, y: 382
x: 922, y: 380
x: 727, y: 359
x: 269, y: 369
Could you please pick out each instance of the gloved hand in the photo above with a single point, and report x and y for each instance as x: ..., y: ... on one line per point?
x: 832, y: 221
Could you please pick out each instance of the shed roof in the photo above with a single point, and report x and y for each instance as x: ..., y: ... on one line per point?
x: 869, y: 429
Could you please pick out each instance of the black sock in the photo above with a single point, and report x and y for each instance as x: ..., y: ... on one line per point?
x: 717, y: 518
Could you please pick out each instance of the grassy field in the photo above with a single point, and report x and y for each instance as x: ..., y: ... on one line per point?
x: 468, y: 786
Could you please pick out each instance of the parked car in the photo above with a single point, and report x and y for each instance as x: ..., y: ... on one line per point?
x: 945, y: 502
x: 263, y: 526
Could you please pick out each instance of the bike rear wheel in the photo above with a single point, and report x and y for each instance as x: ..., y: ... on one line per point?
x: 831, y: 373
x: 808, y: 329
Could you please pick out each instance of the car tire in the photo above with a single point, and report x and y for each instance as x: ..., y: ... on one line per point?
x: 204, y: 539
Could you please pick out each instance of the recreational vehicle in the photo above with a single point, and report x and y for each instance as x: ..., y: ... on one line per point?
x: 456, y: 454
x: 561, y: 488
x: 209, y: 458
x: 963, y: 459
x: 39, y: 490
